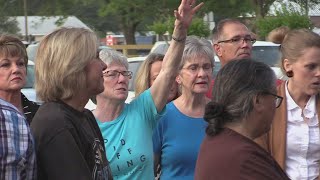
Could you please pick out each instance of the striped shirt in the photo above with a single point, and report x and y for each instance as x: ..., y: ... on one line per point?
x: 17, y: 153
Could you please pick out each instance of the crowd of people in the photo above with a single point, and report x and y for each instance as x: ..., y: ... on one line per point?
x: 182, y: 123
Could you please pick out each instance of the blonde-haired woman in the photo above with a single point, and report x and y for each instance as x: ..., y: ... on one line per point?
x: 294, y: 138
x: 68, y: 72
x: 147, y: 74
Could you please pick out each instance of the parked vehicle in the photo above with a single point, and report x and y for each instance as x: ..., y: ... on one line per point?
x: 263, y: 51
x: 28, y: 90
x: 32, y: 51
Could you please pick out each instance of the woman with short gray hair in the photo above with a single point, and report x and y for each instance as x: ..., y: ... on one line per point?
x: 177, y: 137
x: 243, y: 104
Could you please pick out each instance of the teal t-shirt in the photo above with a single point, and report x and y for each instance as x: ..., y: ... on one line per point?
x: 128, y: 139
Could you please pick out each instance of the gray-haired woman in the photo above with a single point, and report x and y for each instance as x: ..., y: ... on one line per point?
x: 179, y: 133
x: 127, y: 128
x: 243, y: 104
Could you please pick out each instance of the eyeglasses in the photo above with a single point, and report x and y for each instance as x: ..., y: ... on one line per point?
x: 194, y: 68
x: 278, y: 99
x: 115, y: 74
x: 238, y: 40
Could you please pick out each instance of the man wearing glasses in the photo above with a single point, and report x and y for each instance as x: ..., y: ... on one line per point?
x: 231, y: 40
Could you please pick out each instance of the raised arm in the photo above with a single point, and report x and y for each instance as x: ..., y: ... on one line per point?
x: 170, y: 66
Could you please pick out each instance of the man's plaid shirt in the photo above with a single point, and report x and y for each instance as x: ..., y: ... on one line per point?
x: 17, y: 153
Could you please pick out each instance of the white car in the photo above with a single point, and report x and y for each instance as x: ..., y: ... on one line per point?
x: 28, y: 90
x: 263, y: 51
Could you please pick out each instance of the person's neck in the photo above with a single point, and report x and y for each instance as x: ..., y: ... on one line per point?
x: 192, y: 105
x: 239, y: 128
x: 77, y: 102
x: 108, y: 110
x: 300, y: 98
x: 12, y: 97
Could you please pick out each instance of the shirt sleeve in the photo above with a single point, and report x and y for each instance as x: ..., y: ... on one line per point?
x: 144, y: 103
x: 62, y: 159
x: 17, y: 155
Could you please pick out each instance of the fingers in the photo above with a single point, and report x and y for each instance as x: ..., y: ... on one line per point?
x: 192, y: 2
x: 195, y: 9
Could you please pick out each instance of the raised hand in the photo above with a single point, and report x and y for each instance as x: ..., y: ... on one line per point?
x: 185, y: 12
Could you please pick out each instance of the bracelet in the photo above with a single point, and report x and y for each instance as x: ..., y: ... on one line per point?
x: 178, y: 40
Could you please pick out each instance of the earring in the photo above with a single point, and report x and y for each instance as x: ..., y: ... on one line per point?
x: 289, y: 74
x: 178, y: 80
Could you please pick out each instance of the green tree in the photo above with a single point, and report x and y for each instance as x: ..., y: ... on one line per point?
x: 8, y: 25
x: 227, y: 8
x: 306, y: 4
x: 130, y: 14
x: 198, y: 27
x: 262, y: 7
x: 284, y: 17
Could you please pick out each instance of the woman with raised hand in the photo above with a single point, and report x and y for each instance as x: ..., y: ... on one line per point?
x: 127, y: 128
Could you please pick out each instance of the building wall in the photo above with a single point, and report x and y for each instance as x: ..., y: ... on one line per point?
x: 315, y: 20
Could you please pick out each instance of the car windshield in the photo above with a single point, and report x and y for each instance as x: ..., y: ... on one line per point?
x: 30, y: 76
x: 133, y: 67
x: 269, y: 55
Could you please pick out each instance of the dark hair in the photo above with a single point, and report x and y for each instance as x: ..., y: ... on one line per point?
x: 235, y: 86
x: 217, y: 32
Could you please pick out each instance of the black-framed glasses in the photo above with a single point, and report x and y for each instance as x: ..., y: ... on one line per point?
x: 278, y: 99
x: 116, y: 74
x: 238, y: 40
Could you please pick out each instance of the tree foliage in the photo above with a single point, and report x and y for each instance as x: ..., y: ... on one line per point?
x: 134, y: 15
x: 227, y: 8
x: 306, y: 4
x: 284, y: 17
x: 262, y: 7
x: 8, y: 25
x: 198, y: 27
x: 130, y: 14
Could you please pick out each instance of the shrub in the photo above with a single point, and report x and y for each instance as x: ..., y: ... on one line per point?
x: 198, y: 27
x: 286, y: 16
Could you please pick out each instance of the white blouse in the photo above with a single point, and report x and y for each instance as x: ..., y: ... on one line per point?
x: 303, y: 141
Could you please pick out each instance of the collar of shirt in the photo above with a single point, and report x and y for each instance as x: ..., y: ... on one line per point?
x: 309, y: 111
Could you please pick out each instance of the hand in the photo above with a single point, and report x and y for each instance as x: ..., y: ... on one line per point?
x: 185, y: 12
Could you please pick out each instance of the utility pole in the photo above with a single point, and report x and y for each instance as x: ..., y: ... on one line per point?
x: 307, y: 7
x: 25, y: 19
